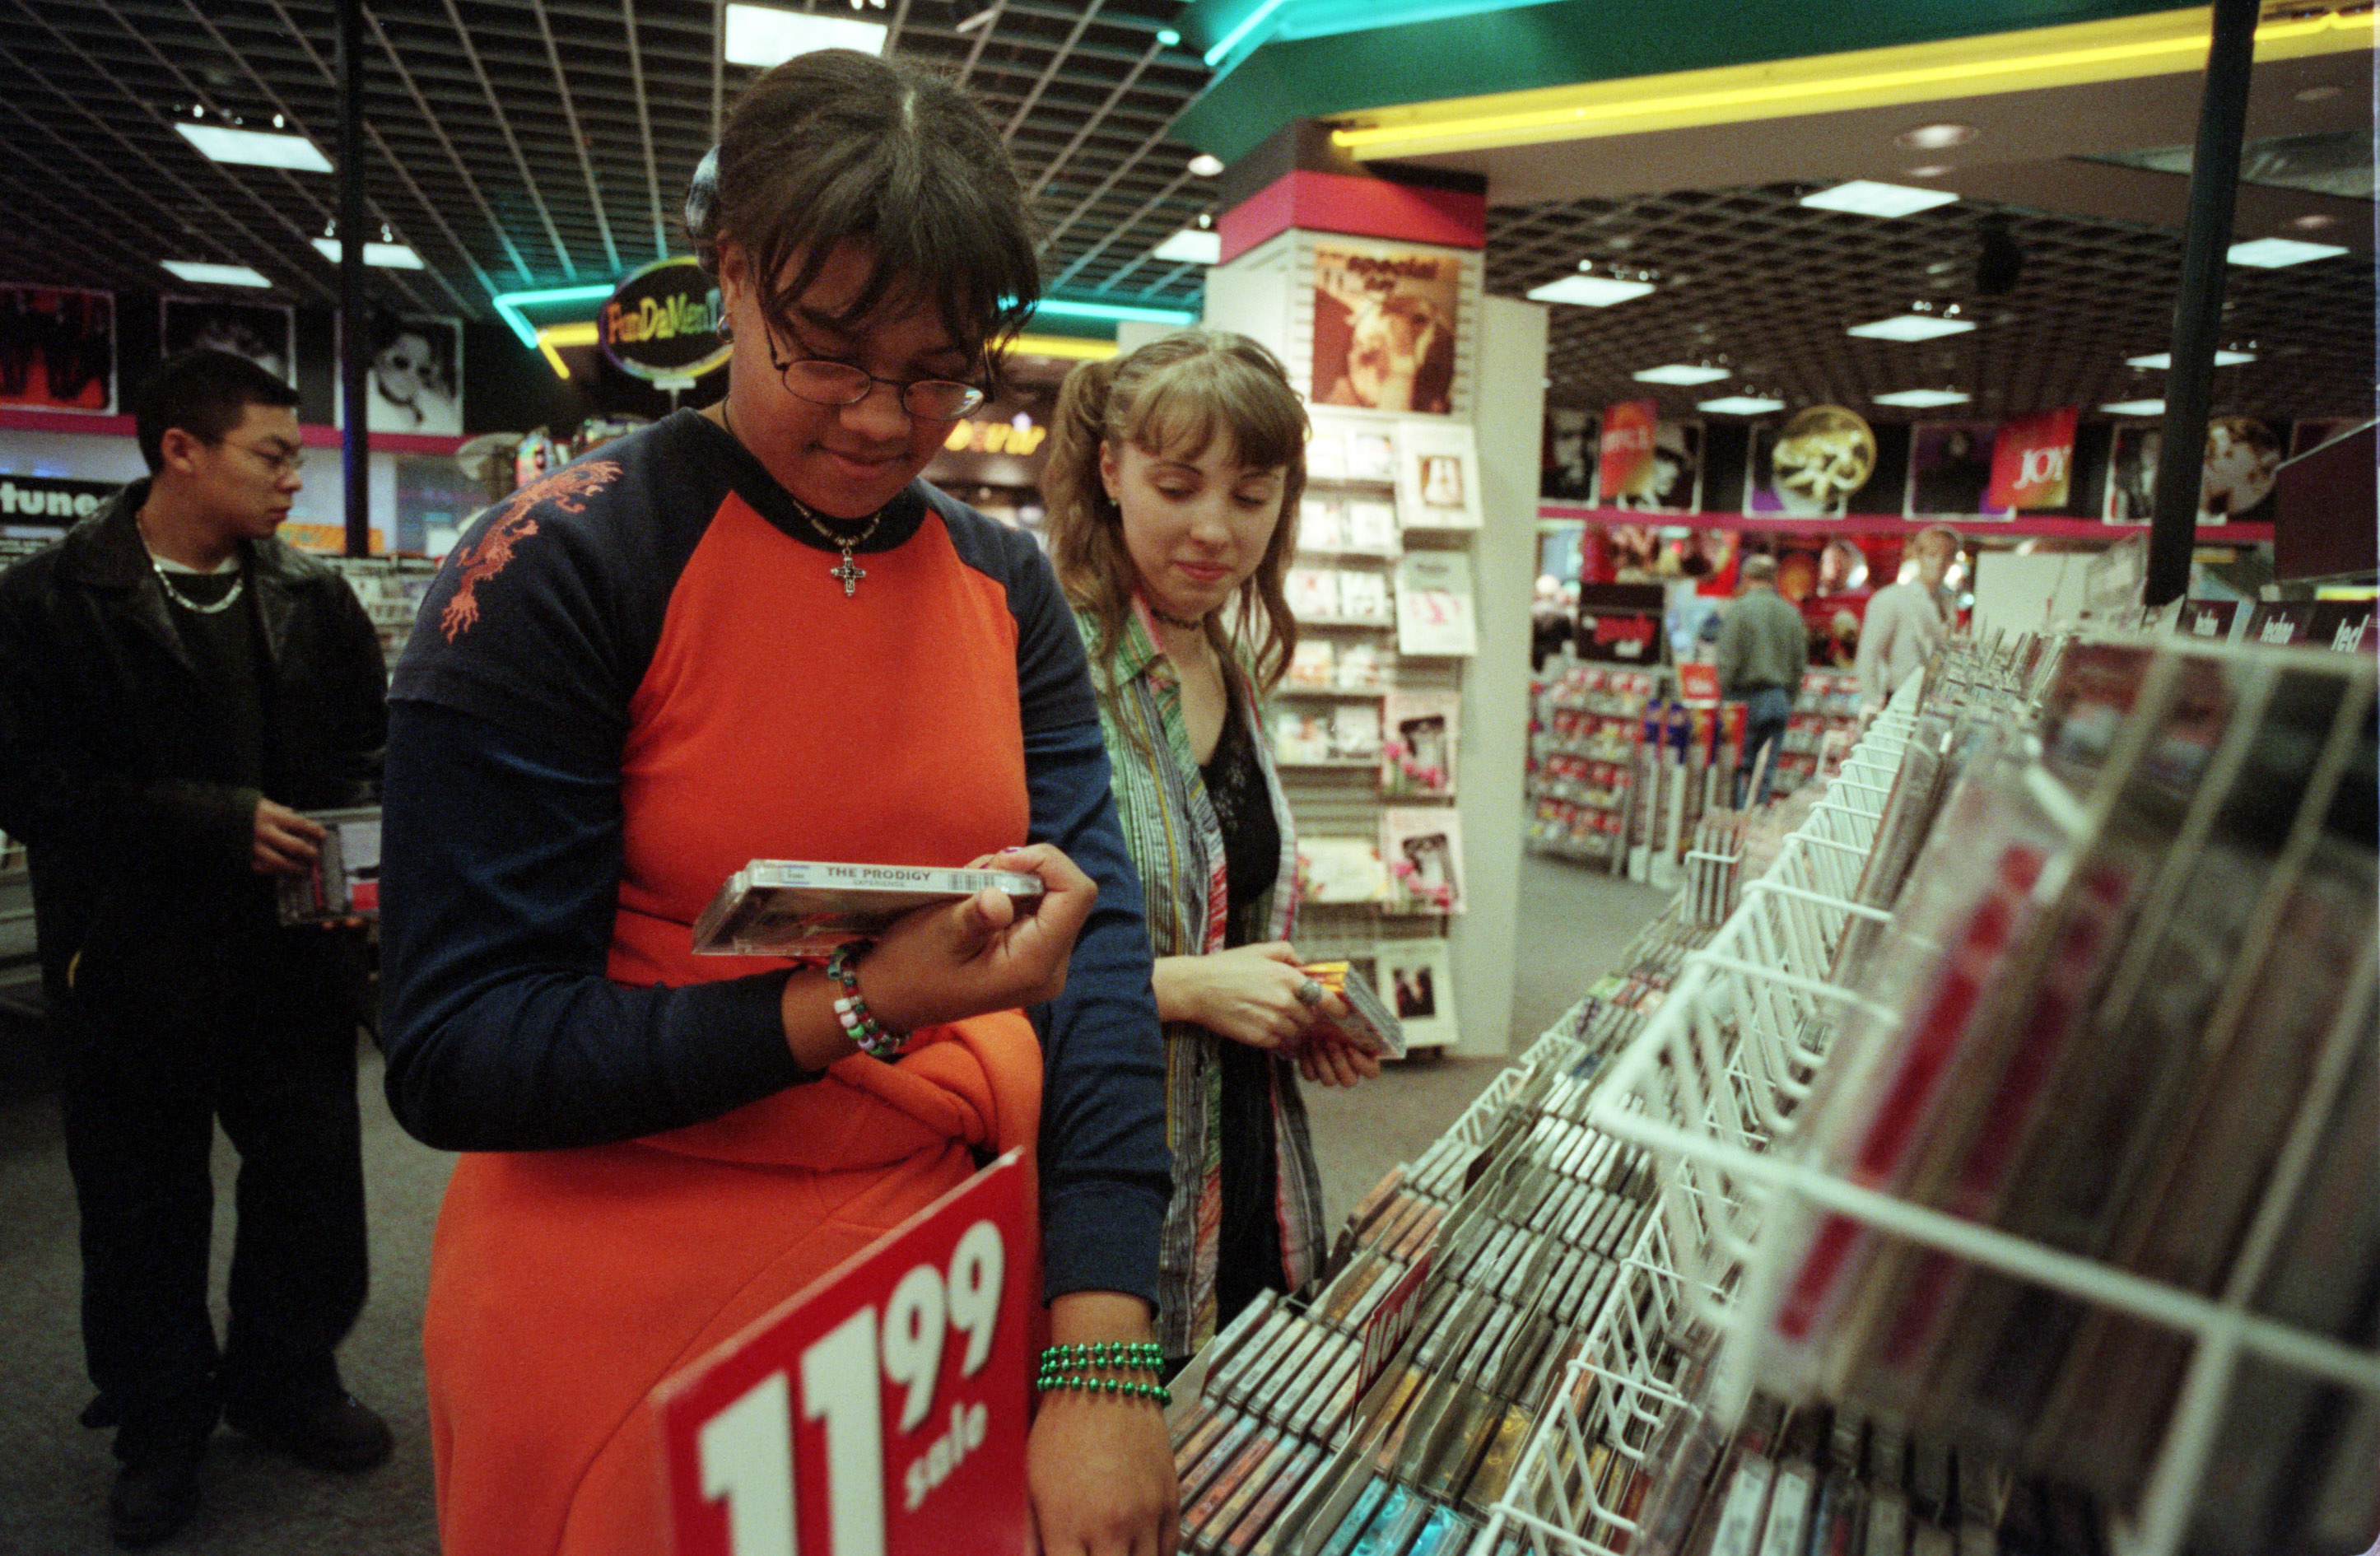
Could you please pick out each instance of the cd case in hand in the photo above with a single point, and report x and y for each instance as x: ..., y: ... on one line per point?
x: 1368, y: 1023
x: 799, y: 908
x: 345, y: 880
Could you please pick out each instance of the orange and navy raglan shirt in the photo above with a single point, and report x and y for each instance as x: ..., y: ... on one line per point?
x: 640, y: 671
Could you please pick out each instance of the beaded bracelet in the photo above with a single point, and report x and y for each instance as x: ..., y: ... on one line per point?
x: 858, y: 1023
x: 1124, y: 1355
x: 1125, y: 1386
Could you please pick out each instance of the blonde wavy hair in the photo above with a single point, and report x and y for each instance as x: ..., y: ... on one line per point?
x: 1173, y: 397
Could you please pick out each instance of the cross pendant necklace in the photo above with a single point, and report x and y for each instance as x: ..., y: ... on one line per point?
x: 846, y: 571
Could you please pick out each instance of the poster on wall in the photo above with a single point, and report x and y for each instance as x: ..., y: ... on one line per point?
x: 1951, y: 470
x: 1565, y: 472
x: 1384, y: 327
x: 57, y: 348
x: 262, y: 333
x: 414, y: 382
x: 1623, y: 458
x: 2235, y: 481
x: 1673, y: 478
x: 2033, y: 461
x: 1812, y: 466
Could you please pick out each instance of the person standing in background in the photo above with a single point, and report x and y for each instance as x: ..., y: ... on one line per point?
x: 1906, y: 619
x: 1763, y: 649
x: 176, y: 686
x: 1171, y: 473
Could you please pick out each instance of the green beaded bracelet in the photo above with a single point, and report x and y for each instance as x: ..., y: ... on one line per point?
x: 1142, y: 1356
x: 1124, y: 1386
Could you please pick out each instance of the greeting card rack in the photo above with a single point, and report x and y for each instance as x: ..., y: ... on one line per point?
x: 1714, y: 1087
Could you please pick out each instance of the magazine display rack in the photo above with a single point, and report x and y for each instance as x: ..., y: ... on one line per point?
x: 1714, y: 1087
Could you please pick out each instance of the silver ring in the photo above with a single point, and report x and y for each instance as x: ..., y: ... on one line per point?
x: 1309, y: 994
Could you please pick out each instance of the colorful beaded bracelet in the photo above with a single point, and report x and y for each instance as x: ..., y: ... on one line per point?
x: 858, y: 1023
x: 1124, y: 1386
x: 1137, y: 1357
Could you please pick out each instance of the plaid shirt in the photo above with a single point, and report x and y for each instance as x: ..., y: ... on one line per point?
x: 1170, y: 828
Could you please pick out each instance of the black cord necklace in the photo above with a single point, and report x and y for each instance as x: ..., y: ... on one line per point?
x: 1192, y: 624
x: 846, y: 570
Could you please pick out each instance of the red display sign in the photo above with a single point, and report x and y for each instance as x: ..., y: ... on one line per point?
x: 2033, y: 461
x: 1698, y: 682
x: 1625, y: 457
x: 880, y: 1413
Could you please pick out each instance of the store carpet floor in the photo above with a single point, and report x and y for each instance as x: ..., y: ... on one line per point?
x: 53, y: 1474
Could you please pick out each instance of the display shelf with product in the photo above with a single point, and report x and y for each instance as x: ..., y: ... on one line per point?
x: 1583, y: 765
x: 1931, y: 1279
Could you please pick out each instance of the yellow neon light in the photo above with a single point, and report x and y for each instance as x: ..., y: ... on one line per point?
x: 552, y: 337
x: 1073, y: 347
x: 2162, y: 43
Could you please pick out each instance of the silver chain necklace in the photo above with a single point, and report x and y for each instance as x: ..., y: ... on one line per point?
x: 166, y: 580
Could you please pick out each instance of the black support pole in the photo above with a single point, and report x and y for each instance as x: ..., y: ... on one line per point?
x: 355, y: 311
x: 2198, y: 311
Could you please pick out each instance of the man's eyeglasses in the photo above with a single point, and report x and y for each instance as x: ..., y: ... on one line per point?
x: 839, y: 384
x: 278, y: 461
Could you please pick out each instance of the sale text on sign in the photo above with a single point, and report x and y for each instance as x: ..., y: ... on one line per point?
x: 880, y: 1413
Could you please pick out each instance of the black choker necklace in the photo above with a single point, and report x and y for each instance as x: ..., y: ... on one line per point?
x: 1191, y: 624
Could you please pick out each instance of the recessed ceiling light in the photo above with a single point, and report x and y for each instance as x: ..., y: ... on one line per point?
x: 763, y: 35
x: 1203, y: 166
x: 256, y: 148
x: 1934, y: 137
x: 1912, y: 326
x: 2315, y: 94
x: 1191, y: 247
x: 1931, y: 170
x: 1167, y: 38
x: 204, y: 274
x: 1589, y: 291
x: 2163, y: 360
x: 1739, y: 405
x: 386, y: 256
x: 2272, y: 253
x: 1919, y: 399
x: 2135, y: 407
x: 2314, y: 221
x: 1679, y: 372
x: 1867, y: 198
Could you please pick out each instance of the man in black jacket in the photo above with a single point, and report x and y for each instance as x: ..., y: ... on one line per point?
x: 176, y: 687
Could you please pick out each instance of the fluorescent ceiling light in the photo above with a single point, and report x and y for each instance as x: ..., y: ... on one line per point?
x: 205, y: 274
x: 1919, y: 399
x: 1867, y: 198
x: 1589, y: 291
x: 255, y: 148
x: 2163, y: 360
x: 2135, y: 407
x: 1739, y: 405
x: 1912, y: 326
x: 1679, y: 372
x: 2272, y: 253
x: 1934, y: 137
x: 1191, y: 247
x: 386, y: 256
x: 763, y: 35
x: 1072, y: 348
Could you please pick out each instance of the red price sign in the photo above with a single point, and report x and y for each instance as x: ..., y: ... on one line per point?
x: 1698, y: 682
x: 880, y: 1413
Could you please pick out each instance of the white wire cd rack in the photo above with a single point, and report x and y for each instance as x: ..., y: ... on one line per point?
x: 1712, y: 1087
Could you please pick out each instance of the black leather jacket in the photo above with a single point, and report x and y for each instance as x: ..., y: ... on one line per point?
x: 105, y: 740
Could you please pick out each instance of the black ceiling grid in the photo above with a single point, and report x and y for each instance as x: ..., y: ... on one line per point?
x: 525, y: 144
x: 1753, y: 280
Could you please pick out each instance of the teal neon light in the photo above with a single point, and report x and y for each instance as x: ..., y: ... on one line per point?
x: 508, y: 305
x: 1114, y: 312
x: 1249, y: 24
